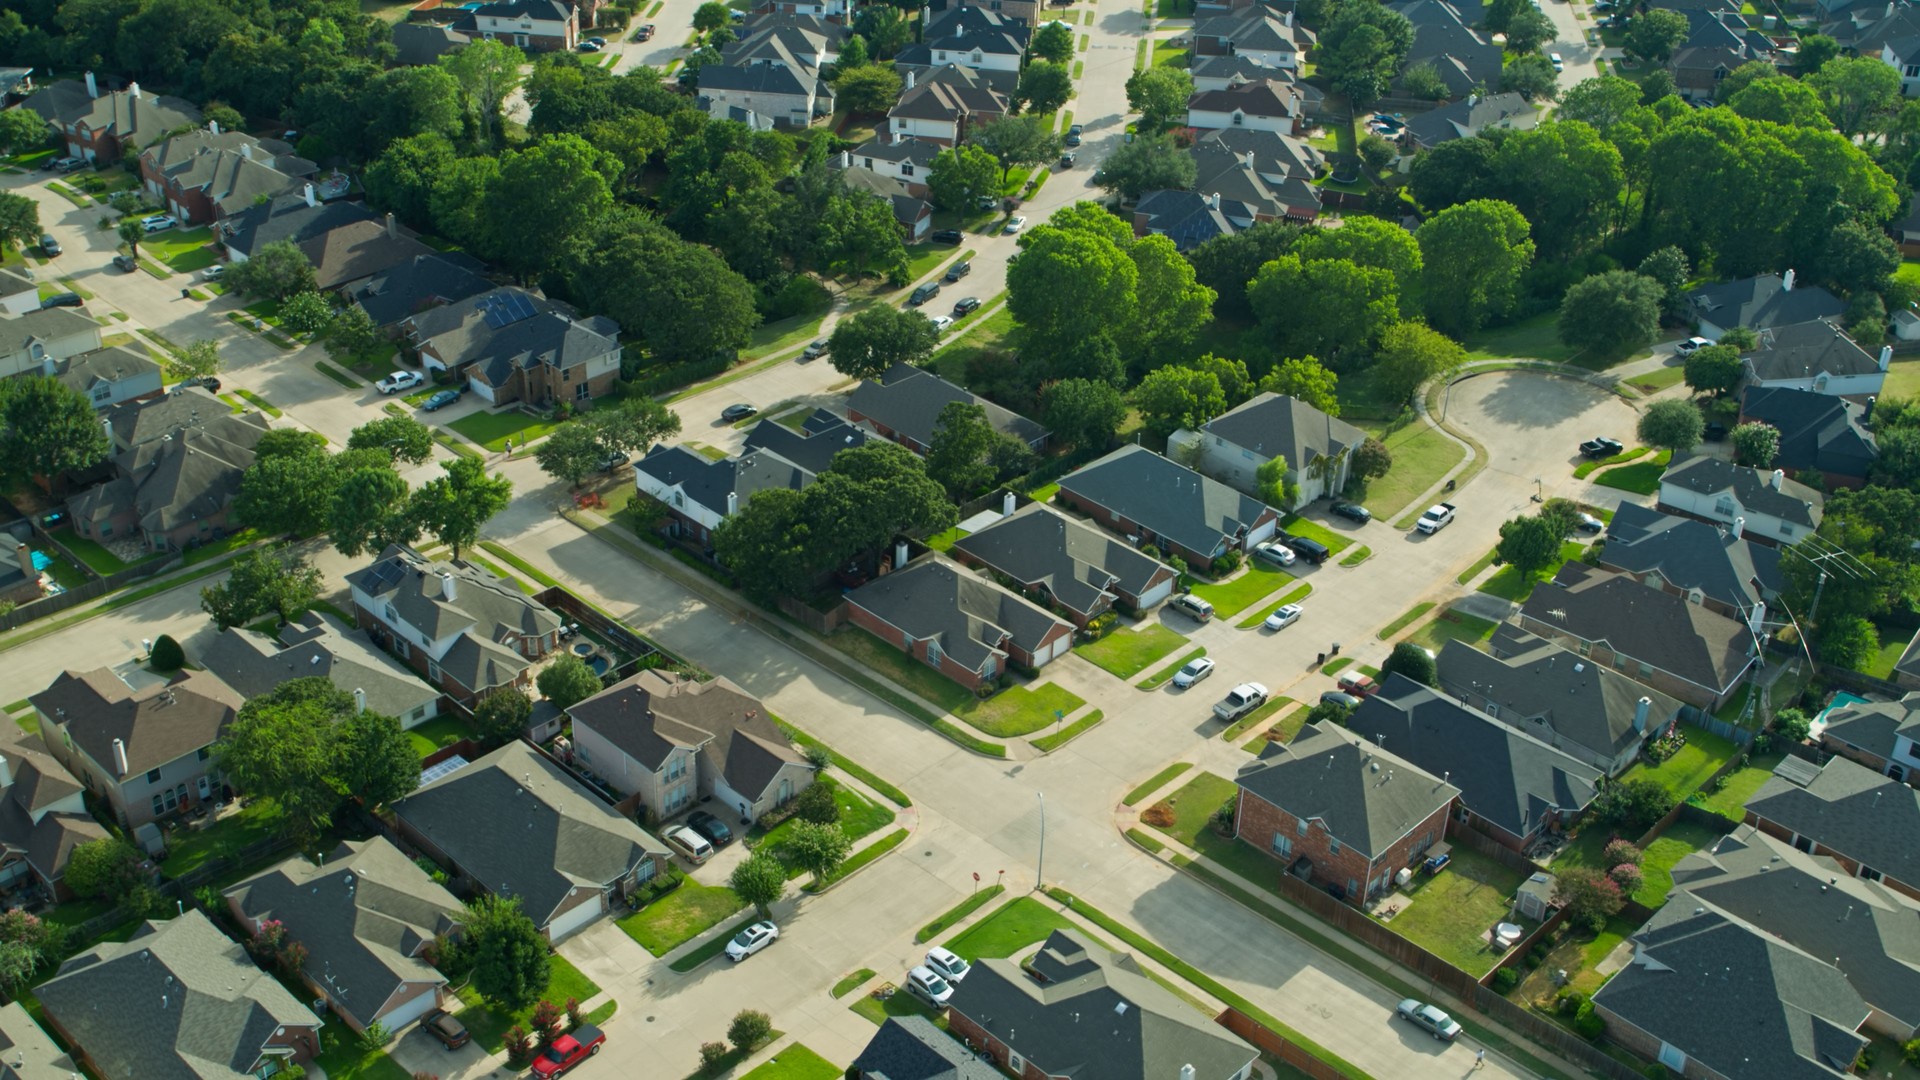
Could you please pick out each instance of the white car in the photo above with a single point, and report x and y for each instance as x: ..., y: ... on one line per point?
x: 752, y: 940
x: 1195, y: 670
x: 1692, y: 344
x: 213, y: 273
x: 948, y: 964
x: 398, y: 381
x: 1278, y: 554
x: 1283, y: 616
x: 1558, y: 63
x: 1014, y: 225
x: 927, y: 984
x: 940, y: 323
x: 157, y: 223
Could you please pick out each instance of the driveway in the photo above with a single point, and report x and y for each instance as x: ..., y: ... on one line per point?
x: 1532, y: 425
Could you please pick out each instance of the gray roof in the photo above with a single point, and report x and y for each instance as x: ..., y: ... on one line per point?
x: 963, y: 29
x: 290, y: 218
x: 1752, y: 488
x: 1849, y: 809
x: 255, y: 664
x: 1471, y: 115
x: 1504, y: 775
x: 470, y: 332
x: 235, y: 169
x: 185, y: 475
x: 911, y: 1048
x: 969, y: 617
x: 424, y: 43
x: 1553, y: 693
x: 1817, y: 431
x: 365, y: 914
x: 1274, y: 154
x: 1690, y: 554
x: 30, y: 827
x: 13, y: 282
x: 156, y: 725
x: 563, y: 837
x: 1257, y: 29
x: 1653, y: 627
x: 707, y: 482
x: 1078, y: 564
x: 1272, y: 425
x: 1261, y: 97
x: 908, y: 400
x: 1328, y: 773
x: 1091, y: 1012
x: 137, y: 423
x: 1194, y: 511
x: 1871, y: 932
x: 179, y: 1001
x: 1909, y: 662
x: 27, y: 1052
x: 1443, y: 37
x: 653, y: 713
x: 423, y: 281
x: 1188, y: 218
x: 812, y: 448
x: 1764, y: 301
x: 358, y: 250
x: 486, y: 609
x: 114, y: 365
x: 950, y: 92
x: 46, y: 324
x: 908, y: 149
x: 1735, y: 1000
x: 136, y: 117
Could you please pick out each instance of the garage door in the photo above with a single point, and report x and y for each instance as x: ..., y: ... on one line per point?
x: 408, y: 1013
x: 574, y: 919
x: 1260, y: 535
x: 1157, y: 594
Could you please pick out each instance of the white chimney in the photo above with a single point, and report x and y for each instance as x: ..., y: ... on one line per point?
x: 1779, y: 477
x: 133, y: 91
x: 119, y: 757
x: 899, y: 554
x: 1786, y: 282
x: 909, y: 79
x: 1757, y: 618
x: 1213, y: 201
x: 1186, y: 1072
x: 1472, y: 100
x: 6, y: 773
x: 393, y: 228
x: 1886, y: 357
x: 48, y: 366
x: 246, y: 151
x: 447, y: 589
x: 213, y: 126
x: 1640, y: 710
x: 733, y: 503
x: 93, y: 88
x: 846, y: 159
x: 1739, y: 526
x: 311, y: 201
x: 1006, y: 504
x: 359, y: 700
x: 1249, y: 159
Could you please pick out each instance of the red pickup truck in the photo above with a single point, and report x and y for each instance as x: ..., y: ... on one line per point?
x: 568, y: 1051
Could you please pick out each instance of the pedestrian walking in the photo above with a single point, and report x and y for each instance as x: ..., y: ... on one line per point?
x: 1479, y: 1059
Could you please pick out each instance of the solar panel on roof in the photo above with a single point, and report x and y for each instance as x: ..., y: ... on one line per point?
x: 505, y: 309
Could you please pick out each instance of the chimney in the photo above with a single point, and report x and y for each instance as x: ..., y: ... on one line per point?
x: 447, y: 590
x: 393, y: 228
x: 48, y: 367
x: 1779, y: 477
x: 25, y: 555
x: 359, y: 699
x: 1249, y: 159
x: 93, y: 88
x: 213, y: 127
x: 1886, y: 357
x: 1786, y: 282
x: 1213, y: 201
x: 1640, y: 710
x: 106, y: 425
x: 899, y: 554
x: 733, y: 503
x: 1006, y: 504
x: 1757, y: 618
x: 1472, y: 100
x: 846, y: 159
x: 246, y: 151
x: 1739, y: 526
x: 311, y: 201
x: 1186, y: 1072
x: 909, y: 79
x: 119, y: 757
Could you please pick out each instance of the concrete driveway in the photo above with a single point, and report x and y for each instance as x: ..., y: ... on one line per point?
x: 1532, y: 424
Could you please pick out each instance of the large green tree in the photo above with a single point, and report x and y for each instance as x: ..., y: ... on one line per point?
x: 1856, y: 90
x: 402, y: 178
x: 568, y: 681
x: 1474, y: 255
x: 961, y: 175
x: 371, y: 509
x: 1175, y: 397
x: 1159, y: 94
x: 1653, y: 35
x: 1409, y: 354
x: 1362, y: 48
x: 1083, y: 412
x: 872, y: 342
x: 1304, y: 379
x: 957, y: 456
x: 544, y: 196
x: 1148, y: 163
x: 47, y: 428
x: 402, y: 438
x: 1071, y: 285
x: 1043, y: 87
x: 281, y: 746
x: 262, y: 583
x: 1171, y: 306
x: 1611, y: 313
x: 374, y: 761
x: 1714, y: 369
x: 1053, y: 43
x: 487, y: 72
x: 1671, y: 425
x: 19, y: 220
x: 1351, y: 306
x: 1024, y: 139
x: 1528, y: 544
x: 682, y: 299
x: 454, y: 506
x: 1565, y: 180
x: 859, y: 234
x: 512, y: 962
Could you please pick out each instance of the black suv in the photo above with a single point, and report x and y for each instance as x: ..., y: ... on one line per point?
x: 1311, y: 550
x: 711, y: 827
x: 923, y: 294
x: 966, y: 306
x: 959, y: 270
x: 947, y: 236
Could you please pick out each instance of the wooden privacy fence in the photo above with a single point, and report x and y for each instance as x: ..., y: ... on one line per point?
x: 1265, y: 1038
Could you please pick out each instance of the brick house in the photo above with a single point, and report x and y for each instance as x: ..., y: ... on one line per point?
x: 528, y: 25
x: 1063, y: 562
x: 1152, y: 500
x: 43, y: 817
x: 905, y: 403
x: 1717, y: 568
x: 512, y: 345
x: 464, y: 629
x: 1882, y: 735
x: 203, y: 176
x: 104, y: 127
x: 1339, y: 811
x: 1867, y: 823
x: 967, y: 628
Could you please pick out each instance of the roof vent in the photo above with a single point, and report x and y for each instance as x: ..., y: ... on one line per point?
x: 1120, y: 1009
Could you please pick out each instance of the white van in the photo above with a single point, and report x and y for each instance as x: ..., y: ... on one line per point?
x: 688, y: 844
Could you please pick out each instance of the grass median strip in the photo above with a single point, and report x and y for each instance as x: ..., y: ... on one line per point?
x: 1255, y: 718
x: 1159, y: 780
x: 1405, y: 620
x: 260, y: 403
x: 860, y: 859
x: 1146, y: 841
x: 1293, y: 596
x: 959, y: 911
x: 1588, y: 468
x: 1357, y: 556
x: 1335, y: 664
x: 851, y: 983
x: 1155, y: 681
x: 1047, y: 744
x: 713, y: 948
x: 1474, y: 571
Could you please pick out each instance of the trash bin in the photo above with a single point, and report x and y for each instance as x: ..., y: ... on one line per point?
x: 1336, y: 648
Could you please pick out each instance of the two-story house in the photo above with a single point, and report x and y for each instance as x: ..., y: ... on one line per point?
x: 108, y: 376
x: 29, y: 341
x: 104, y: 127
x: 528, y: 25
x: 1269, y: 38
x: 1067, y: 563
x: 905, y: 404
x: 1816, y: 356
x: 1867, y: 822
x: 1757, y: 505
x: 907, y: 160
x: 43, y: 817
x: 466, y: 630
x: 1317, y: 448
x: 1712, y: 565
x: 1818, y: 433
x: 511, y: 345
x: 972, y: 37
x: 943, y: 105
x: 1444, y: 39
x: 147, y: 753
x: 205, y: 175
x: 293, y: 218
x: 1762, y: 302
x: 1261, y: 105
x: 774, y: 71
x: 254, y: 664
x: 1882, y: 735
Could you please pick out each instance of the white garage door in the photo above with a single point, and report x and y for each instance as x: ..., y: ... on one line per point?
x: 1260, y: 535
x: 1156, y: 594
x: 408, y: 1013
x: 572, y: 920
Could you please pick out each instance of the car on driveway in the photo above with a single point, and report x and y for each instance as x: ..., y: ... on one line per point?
x: 948, y: 964
x: 440, y: 400
x: 1587, y: 523
x: 568, y: 1051
x: 1601, y: 447
x: 704, y: 823
x: 1192, y: 607
x: 157, y: 223
x: 49, y: 245
x: 1240, y: 701
x: 1277, y: 554
x: 212, y: 384
x: 1014, y: 225
x: 441, y: 1025
x: 1692, y: 344
x: 1428, y: 1018
x: 929, y: 986
x: 213, y: 273
x: 947, y: 236
x: 125, y: 262
x: 752, y: 940
x: 738, y: 411
x: 967, y: 306
x: 815, y: 350
x: 600, y: 41
x: 398, y: 381
x: 63, y: 299
x: 1352, y: 511
x: 587, y: 47
x: 608, y: 463
x: 1340, y: 698
x: 1198, y: 668
x: 1283, y: 616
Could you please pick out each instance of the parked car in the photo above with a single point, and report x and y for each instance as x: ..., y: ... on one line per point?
x: 157, y: 223
x: 398, y: 381
x: 967, y: 306
x: 947, y: 236
x: 1437, y: 517
x: 1692, y: 344
x: 587, y: 47
x: 1283, y: 616
x: 1196, y: 669
x: 950, y: 966
x: 1014, y: 225
x: 1587, y: 523
x: 702, y: 822
x: 66, y: 164
x: 211, y: 384
x: 752, y: 940
x: 1067, y: 159
x: 1558, y: 63
x: 1240, y: 701
x: 609, y: 463
x: 645, y: 33
x: 688, y: 844
x: 1075, y: 130
x: 927, y: 984
x: 1714, y: 432
x: 940, y: 322
x: 125, y: 262
x: 738, y: 411
x: 441, y: 1025
x: 1601, y: 447
x: 1352, y: 511
x: 923, y: 294
x: 49, y: 245
x: 64, y: 299
x: 600, y: 41
x: 958, y: 270
x: 1192, y: 607
x: 213, y: 273
x: 440, y: 400
x: 1275, y: 553
x: 1357, y: 684
x: 1311, y: 550
x: 568, y: 1051
x: 815, y: 350
x: 1074, y: 137
x: 1340, y: 698
x: 1432, y: 1020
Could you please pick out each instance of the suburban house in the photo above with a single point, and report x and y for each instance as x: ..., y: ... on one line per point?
x: 1717, y: 43
x: 1906, y: 670
x: 108, y: 376
x: 1152, y: 500
x: 1867, y: 929
x: 423, y: 44
x: 529, y: 25
x: 1663, y: 640
x: 512, y: 345
x: 813, y: 446
x: 21, y: 582
x: 43, y: 817
x: 1707, y: 564
x: 104, y: 127
x: 1270, y: 104
x: 1265, y: 36
x: 347, y: 255
x: 148, y: 752
x: 466, y: 630
x: 912, y: 213
x: 1864, y: 27
x: 1468, y: 118
x: 773, y: 71
x: 19, y: 294
x: 255, y: 664
x: 1882, y: 735
x: 28, y: 341
x: 906, y: 403
x: 177, y: 464
x: 205, y: 175
x: 970, y: 36
x: 699, y: 492
x: 1757, y: 505
x: 1247, y: 176
x: 1067, y: 564
x: 1340, y: 812
x: 1818, y: 432
x: 672, y: 741
x: 1866, y: 821
x: 906, y: 160
x: 366, y: 915
x: 1513, y: 787
x: 29, y: 1052
x: 1586, y: 710
x: 962, y: 625
x: 413, y: 285
x: 1708, y: 995
x: 293, y: 219
x: 1189, y: 218
x: 1273, y: 157
x: 1318, y: 449
x: 177, y: 999
x: 571, y: 855
x: 1898, y: 40
x: 1816, y: 356
x: 1760, y: 303
x: 1078, y: 1008
x: 909, y: 1048
x: 943, y: 105
x: 1443, y: 38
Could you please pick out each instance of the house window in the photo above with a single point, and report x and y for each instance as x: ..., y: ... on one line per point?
x: 1282, y: 845
x: 933, y: 653
x: 1645, y: 672
x: 1786, y: 528
x: 1673, y: 1057
x: 405, y: 650
x: 906, y: 170
x: 1333, y: 845
x: 1015, y: 1061
x: 1868, y: 873
x: 433, y: 671
x: 583, y: 392
x: 1300, y: 826
x: 1426, y: 841
x: 1248, y: 454
x: 1586, y: 648
x: 1493, y: 709
x: 677, y: 767
x: 1723, y: 506
x: 391, y: 615
x: 153, y: 776
x: 102, y: 393
x: 418, y: 714
x: 989, y: 668
x: 1239, y: 119
x: 1913, y: 71
x: 204, y: 754
x: 1353, y: 887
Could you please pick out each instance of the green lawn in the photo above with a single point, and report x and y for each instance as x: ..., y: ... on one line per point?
x: 881, y: 659
x: 1020, y: 710
x: 487, y: 1024
x: 1537, y: 338
x: 1193, y: 806
x: 1451, y: 911
x: 1313, y: 530
x: 1173, y: 58
x: 1452, y: 625
x: 1903, y: 377
x: 431, y: 735
x: 994, y: 332
x: 492, y: 430
x: 1641, y: 477
x: 1683, y: 773
x: 1157, y: 781
x: 1507, y: 583
x: 1291, y: 596
x: 1893, y: 642
x: 1401, y: 623
x: 341, y: 1058
x: 192, y: 849
x: 770, y: 338
x: 680, y: 916
x: 1655, y: 381
x: 980, y: 898
x: 1740, y: 785
x: 98, y: 559
x: 942, y: 541
x: 1421, y: 456
x: 1060, y: 737
x: 923, y: 259
x: 859, y: 816
x: 1259, y: 580
x: 901, y: 1003
x: 1126, y: 653
x: 1256, y: 718
x: 1016, y: 924
x: 1680, y: 840
x: 184, y: 251
x: 1282, y: 730
x: 796, y: 1062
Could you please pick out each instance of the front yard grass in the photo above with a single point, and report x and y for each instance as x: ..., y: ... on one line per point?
x: 1016, y: 924
x: 1156, y: 782
x: 1684, y: 772
x: 182, y: 251
x: 1452, y: 625
x: 1537, y: 338
x: 796, y: 1062
x: 1193, y: 807
x: 342, y: 1058
x: 441, y: 731
x: 487, y: 1024
x: 1452, y: 913
x: 888, y: 662
x: 1313, y: 530
x: 859, y: 816
x: 1128, y: 652
x: 254, y: 823
x: 680, y: 916
x: 1422, y: 454
x: 1020, y: 710
x: 492, y: 430
x: 1730, y: 801
x: 1234, y: 595
x: 1507, y: 583
x: 900, y: 1003
x: 1640, y: 478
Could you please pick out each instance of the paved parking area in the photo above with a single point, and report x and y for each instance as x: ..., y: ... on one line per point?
x: 1532, y: 424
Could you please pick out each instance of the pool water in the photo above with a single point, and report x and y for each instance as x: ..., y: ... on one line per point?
x: 599, y: 664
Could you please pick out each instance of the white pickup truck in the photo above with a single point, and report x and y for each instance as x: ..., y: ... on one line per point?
x: 1436, y: 518
x: 1240, y: 701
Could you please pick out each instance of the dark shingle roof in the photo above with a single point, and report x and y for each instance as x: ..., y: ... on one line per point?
x: 813, y: 448
x: 1077, y: 563
x: 1471, y: 115
x: 1752, y: 488
x: 1272, y: 425
x: 1187, y: 218
x: 423, y: 43
x: 1327, y: 773
x: 1175, y: 502
x: 255, y: 664
x: 484, y: 610
x: 1764, y: 301
x: 1653, y: 627
x: 651, y: 714
x: 115, y: 365
x: 967, y: 616
x: 1691, y: 554
x: 1874, y: 725
x: 1817, y: 431
x: 415, y: 284
x: 908, y: 400
x: 139, y: 118
x: 911, y: 1048
x: 1806, y: 349
x: 1262, y: 97
x: 28, y: 1053
x: 156, y: 725
x: 949, y: 92
x: 287, y: 218
x: 29, y: 826
x: 1849, y: 809
x: 707, y: 483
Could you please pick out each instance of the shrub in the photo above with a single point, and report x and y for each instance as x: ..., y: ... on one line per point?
x: 1627, y: 876
x: 1505, y: 980
x: 1621, y: 851
x: 1589, y: 896
x: 1537, y: 956
x: 519, y: 1047
x: 1910, y: 1050
x: 815, y: 803
x: 1159, y: 815
x: 1793, y: 725
x: 1632, y: 806
x: 712, y: 1056
x: 749, y: 1029
x: 573, y: 1013
x: 1568, y: 1002
x: 1588, y: 1023
x: 375, y: 1037
x: 167, y: 654
x: 545, y: 1021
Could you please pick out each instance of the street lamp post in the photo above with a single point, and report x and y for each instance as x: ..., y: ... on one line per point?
x: 1040, y: 865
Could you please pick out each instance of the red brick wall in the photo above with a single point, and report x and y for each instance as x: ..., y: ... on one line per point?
x: 1647, y: 1046
x: 1850, y: 865
x: 963, y: 1027
x: 1259, y: 821
x: 892, y: 635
